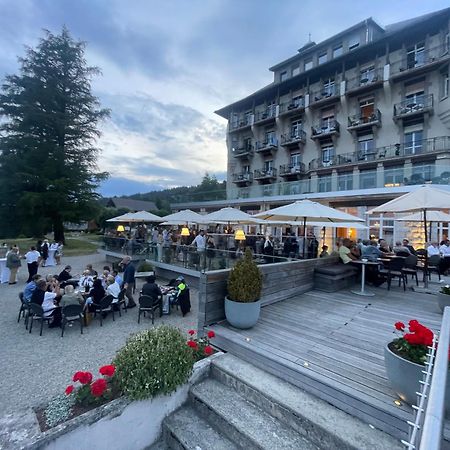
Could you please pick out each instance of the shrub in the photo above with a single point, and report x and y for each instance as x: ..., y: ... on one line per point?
x: 144, y: 267
x: 58, y: 409
x: 245, y: 280
x: 153, y: 362
x: 445, y: 289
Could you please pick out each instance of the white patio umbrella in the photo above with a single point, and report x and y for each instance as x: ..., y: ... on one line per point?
x: 432, y: 216
x: 231, y: 216
x: 306, y: 210
x: 424, y: 199
x: 122, y: 218
x: 183, y: 217
x: 144, y: 216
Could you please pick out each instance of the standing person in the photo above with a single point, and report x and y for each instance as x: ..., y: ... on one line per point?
x: 200, y: 243
x: 44, y: 252
x: 59, y: 252
x: 128, y: 280
x: 13, y: 263
x: 33, y: 258
x: 268, y: 249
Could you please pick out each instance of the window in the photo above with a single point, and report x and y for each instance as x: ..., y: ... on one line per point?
x: 328, y: 155
x: 247, y: 118
x: 324, y: 183
x: 246, y: 169
x: 298, y: 101
x: 248, y: 144
x: 366, y: 148
x: 337, y: 51
x: 296, y: 128
x: 353, y: 42
x: 445, y: 84
x: 295, y: 70
x: 422, y: 173
x: 367, y: 75
x: 271, y: 108
x: 413, y: 141
x: 268, y: 166
x: 367, y: 179
x: 328, y: 87
x: 308, y: 64
x: 295, y: 160
x: 327, y: 121
x: 345, y: 182
x: 323, y: 58
x: 270, y: 138
x: 366, y: 107
x: 415, y: 55
x: 447, y: 42
x: 394, y: 176
x: 283, y: 75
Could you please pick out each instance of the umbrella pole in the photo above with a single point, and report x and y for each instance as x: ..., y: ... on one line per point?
x: 304, y: 236
x: 425, y: 266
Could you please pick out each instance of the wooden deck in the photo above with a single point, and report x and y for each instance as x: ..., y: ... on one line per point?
x: 332, y: 344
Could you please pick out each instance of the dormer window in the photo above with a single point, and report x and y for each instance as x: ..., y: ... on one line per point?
x: 295, y: 70
x: 308, y: 64
x: 337, y: 51
x: 283, y: 76
x: 323, y: 58
x: 353, y: 41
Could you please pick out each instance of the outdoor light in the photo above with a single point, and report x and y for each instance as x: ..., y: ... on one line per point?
x: 398, y: 402
x: 120, y: 229
x: 239, y: 235
x: 185, y: 231
x: 306, y: 364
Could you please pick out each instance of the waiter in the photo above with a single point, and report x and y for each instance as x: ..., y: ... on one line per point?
x: 33, y: 258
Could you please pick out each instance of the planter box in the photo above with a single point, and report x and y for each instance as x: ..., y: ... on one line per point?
x: 121, y: 423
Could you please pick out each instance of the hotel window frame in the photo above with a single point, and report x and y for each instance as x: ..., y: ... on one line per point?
x: 394, y: 176
x: 295, y: 159
x: 368, y: 175
x: 354, y: 41
x: 295, y: 70
x: 324, y: 183
x: 327, y: 154
x: 338, y: 50
x: 322, y: 58
x: 345, y: 181
x: 413, y: 140
x: 308, y: 64
x: 417, y: 51
x: 284, y: 76
x: 296, y: 128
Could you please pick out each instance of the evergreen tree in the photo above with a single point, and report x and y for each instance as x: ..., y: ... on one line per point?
x: 48, y: 133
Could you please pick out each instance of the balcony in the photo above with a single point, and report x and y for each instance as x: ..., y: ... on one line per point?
x: 323, y: 96
x: 242, y: 178
x: 359, y: 122
x: 292, y: 107
x: 267, y: 147
x: 241, y: 123
x: 265, y: 175
x: 292, y: 171
x: 327, y: 128
x: 244, y: 152
x: 418, y: 106
x: 293, y: 139
x: 266, y: 116
x: 418, y: 63
x: 364, y: 82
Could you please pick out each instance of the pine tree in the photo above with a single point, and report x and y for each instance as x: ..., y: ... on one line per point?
x: 48, y: 133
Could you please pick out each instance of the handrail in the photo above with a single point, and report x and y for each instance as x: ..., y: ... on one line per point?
x: 434, y: 414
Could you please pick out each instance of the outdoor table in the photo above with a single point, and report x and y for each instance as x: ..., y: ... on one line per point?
x: 363, y: 264
x: 4, y: 271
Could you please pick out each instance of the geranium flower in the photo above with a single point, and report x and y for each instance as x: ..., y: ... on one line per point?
x: 69, y: 389
x: 76, y: 376
x: 193, y: 345
x: 211, y: 334
x: 98, y: 387
x: 191, y: 332
x: 209, y: 350
x: 399, y: 326
x: 85, y: 377
x: 108, y: 370
x: 413, y: 325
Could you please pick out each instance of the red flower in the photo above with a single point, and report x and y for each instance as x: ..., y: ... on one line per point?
x: 76, y: 376
x: 69, y: 389
x: 208, y: 350
x: 412, y: 339
x: 193, y: 345
x: 211, y: 334
x: 108, y: 370
x: 98, y: 387
x: 414, y: 325
x: 399, y: 326
x: 191, y: 332
x: 85, y: 377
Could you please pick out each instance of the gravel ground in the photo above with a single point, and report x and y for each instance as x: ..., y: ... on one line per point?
x: 34, y: 368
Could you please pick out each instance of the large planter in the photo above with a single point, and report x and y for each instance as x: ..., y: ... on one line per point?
x: 404, y: 377
x: 443, y: 300
x: 242, y: 315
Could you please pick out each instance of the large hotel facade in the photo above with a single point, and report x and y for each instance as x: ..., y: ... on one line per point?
x: 352, y: 121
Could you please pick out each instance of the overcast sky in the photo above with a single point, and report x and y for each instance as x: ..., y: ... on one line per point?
x: 168, y: 65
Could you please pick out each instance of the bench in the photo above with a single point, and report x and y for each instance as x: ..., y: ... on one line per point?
x: 335, y: 277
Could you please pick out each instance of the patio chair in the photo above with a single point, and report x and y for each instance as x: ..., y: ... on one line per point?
x: 24, y: 310
x: 183, y: 301
x: 393, y: 269
x: 104, y: 306
x: 121, y: 301
x: 411, y: 268
x: 434, y: 265
x: 71, y: 313
x: 149, y: 304
x: 37, y: 313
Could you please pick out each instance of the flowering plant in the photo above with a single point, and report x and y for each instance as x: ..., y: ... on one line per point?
x: 413, y: 346
x: 445, y: 289
x: 201, y: 347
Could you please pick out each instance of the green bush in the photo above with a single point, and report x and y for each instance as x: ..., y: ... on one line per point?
x: 153, y: 362
x: 144, y: 267
x: 245, y: 280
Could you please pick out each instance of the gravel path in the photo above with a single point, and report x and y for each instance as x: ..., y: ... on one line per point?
x: 34, y: 368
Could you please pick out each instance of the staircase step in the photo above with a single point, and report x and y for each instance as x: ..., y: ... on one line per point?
x: 247, y: 425
x: 185, y: 429
x: 320, y: 422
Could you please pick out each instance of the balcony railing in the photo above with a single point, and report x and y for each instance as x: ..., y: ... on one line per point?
x: 267, y: 146
x: 326, y: 128
x: 326, y: 92
x: 414, y: 106
x: 292, y: 169
x: 414, y: 62
x: 265, y: 174
x: 269, y: 113
x: 365, y: 80
x: 242, y: 177
x: 241, y: 122
x: 358, y: 121
x: 298, y: 136
x: 240, y: 152
x: 292, y: 106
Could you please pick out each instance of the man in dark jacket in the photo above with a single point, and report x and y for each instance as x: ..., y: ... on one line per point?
x: 128, y: 280
x: 151, y: 288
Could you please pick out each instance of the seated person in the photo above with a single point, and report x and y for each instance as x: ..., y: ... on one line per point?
x: 150, y: 288
x: 344, y: 252
x: 383, y: 246
x: 354, y: 249
x: 104, y: 276
x: 400, y: 248
x: 324, y: 253
x: 433, y: 249
x: 96, y: 293
x: 372, y: 252
x: 65, y: 274
x: 30, y: 287
x: 91, y: 271
x: 71, y: 297
x: 117, y: 277
x: 409, y: 247
x: 86, y: 281
x: 49, y: 302
x: 112, y: 288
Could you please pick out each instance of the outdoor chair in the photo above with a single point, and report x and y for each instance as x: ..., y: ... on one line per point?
x: 393, y: 269
x: 103, y: 307
x: 71, y: 313
x: 24, y: 310
x: 150, y: 304
x: 121, y: 301
x: 37, y: 313
x: 434, y: 265
x: 410, y: 268
x: 404, y: 254
x: 183, y: 301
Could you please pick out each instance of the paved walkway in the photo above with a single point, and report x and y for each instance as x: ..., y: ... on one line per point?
x: 34, y: 368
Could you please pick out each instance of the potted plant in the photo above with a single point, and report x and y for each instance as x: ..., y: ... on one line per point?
x: 444, y: 297
x: 242, y: 305
x: 405, y: 358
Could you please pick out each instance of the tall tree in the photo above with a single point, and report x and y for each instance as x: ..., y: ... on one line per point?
x: 48, y: 153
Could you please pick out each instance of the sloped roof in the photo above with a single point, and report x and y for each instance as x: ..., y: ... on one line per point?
x: 131, y: 204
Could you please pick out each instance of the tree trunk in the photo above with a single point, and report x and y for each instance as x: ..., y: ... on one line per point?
x: 58, y: 229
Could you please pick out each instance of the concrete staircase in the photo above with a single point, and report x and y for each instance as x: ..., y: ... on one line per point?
x: 242, y: 407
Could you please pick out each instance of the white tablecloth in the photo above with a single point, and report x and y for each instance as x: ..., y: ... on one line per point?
x: 4, y: 271
x: 51, y: 258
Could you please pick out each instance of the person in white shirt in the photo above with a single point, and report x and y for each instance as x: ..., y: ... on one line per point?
x: 33, y: 258
x: 433, y: 249
x: 86, y: 281
x: 445, y: 252
x: 200, y: 243
x: 112, y: 288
